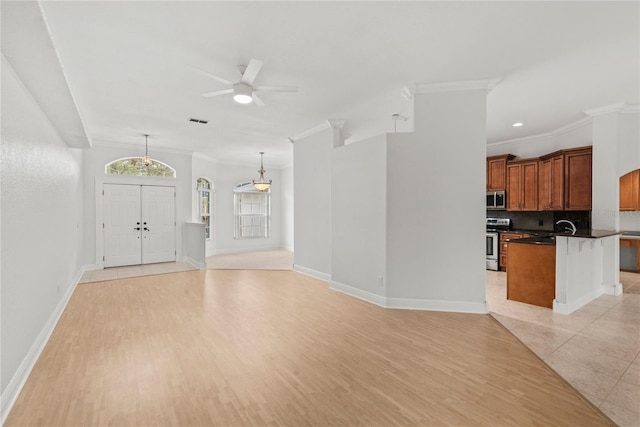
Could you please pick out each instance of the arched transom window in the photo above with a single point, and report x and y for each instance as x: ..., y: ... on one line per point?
x: 135, y: 166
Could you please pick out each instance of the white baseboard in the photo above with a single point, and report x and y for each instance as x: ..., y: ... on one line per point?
x: 243, y: 250
x: 359, y: 293
x: 439, y: 305
x: 412, y: 304
x: 311, y: 272
x: 13, y: 389
x: 196, y: 264
x: 615, y: 290
x: 568, y: 308
x: 89, y: 267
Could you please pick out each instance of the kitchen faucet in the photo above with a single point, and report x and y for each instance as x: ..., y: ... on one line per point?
x: 573, y: 226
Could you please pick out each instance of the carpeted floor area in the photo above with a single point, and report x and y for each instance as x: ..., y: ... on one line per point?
x: 273, y: 259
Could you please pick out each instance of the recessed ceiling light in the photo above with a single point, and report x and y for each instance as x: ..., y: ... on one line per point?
x: 517, y: 124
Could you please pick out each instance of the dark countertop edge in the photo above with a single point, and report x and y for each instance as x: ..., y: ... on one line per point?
x: 521, y: 231
x: 593, y: 234
x: 536, y: 240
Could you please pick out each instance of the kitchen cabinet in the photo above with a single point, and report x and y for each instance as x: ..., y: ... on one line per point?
x: 531, y: 274
x: 630, y: 191
x: 504, y: 247
x: 577, y: 179
x: 551, y: 182
x: 632, y: 243
x: 497, y: 172
x: 522, y: 185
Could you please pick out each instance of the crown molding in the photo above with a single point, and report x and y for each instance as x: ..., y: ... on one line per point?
x: 620, y: 107
x: 322, y: 126
x: 423, y: 88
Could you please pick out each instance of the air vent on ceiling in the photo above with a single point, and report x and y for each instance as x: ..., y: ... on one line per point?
x: 204, y: 122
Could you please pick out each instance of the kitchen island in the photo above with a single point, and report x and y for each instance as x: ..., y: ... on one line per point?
x: 563, y: 271
x: 531, y: 272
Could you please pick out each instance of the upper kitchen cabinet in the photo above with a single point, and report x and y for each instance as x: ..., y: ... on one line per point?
x: 551, y: 182
x: 497, y: 172
x: 522, y: 185
x: 577, y: 179
x: 630, y: 191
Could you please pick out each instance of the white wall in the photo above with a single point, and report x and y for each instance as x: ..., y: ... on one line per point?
x: 435, y: 204
x: 358, y: 216
x: 286, y: 175
x: 628, y: 160
x: 312, y: 204
x: 228, y: 177
x: 41, y: 228
x: 95, y: 160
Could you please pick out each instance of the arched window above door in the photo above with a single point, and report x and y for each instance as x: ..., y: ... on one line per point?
x: 135, y: 166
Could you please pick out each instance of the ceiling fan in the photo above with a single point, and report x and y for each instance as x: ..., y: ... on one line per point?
x: 243, y: 91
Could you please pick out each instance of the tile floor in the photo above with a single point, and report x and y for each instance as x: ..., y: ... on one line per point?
x: 134, y: 271
x: 596, y: 348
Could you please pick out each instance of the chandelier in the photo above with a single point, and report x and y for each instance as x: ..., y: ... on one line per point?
x: 261, y: 184
x: 146, y: 160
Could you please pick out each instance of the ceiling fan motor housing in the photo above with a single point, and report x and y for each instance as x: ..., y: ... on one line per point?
x: 242, y: 93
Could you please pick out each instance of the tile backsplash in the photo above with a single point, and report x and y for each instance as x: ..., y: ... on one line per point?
x: 545, y: 220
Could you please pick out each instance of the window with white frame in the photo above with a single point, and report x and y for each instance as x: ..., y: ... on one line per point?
x: 205, y: 190
x: 252, y: 211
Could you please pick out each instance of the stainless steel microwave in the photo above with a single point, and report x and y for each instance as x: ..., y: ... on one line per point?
x: 497, y: 200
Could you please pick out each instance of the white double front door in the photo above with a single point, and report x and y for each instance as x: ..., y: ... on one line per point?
x: 139, y: 224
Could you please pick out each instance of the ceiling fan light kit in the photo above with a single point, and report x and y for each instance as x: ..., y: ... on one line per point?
x: 242, y: 93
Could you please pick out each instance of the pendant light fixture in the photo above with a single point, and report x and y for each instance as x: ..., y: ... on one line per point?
x: 146, y: 159
x: 262, y: 184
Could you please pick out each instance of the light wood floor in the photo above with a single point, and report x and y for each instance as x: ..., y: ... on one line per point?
x: 234, y: 347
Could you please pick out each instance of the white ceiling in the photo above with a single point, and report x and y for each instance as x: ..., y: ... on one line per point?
x: 128, y: 66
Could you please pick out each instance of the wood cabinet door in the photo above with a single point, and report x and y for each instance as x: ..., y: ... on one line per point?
x: 514, y: 201
x: 577, y: 180
x: 497, y: 172
x: 557, y: 183
x: 630, y: 191
x: 544, y: 184
x: 551, y: 184
x: 529, y: 186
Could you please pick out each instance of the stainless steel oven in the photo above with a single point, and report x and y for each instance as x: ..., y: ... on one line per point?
x: 492, y: 250
x: 494, y: 225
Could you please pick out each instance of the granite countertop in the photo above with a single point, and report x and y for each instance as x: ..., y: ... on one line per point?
x: 549, y: 238
x: 630, y: 235
x: 592, y: 234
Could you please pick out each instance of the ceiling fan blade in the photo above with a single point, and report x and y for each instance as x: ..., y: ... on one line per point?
x: 251, y: 72
x: 276, y: 88
x: 213, y: 76
x: 257, y: 100
x: 216, y: 93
